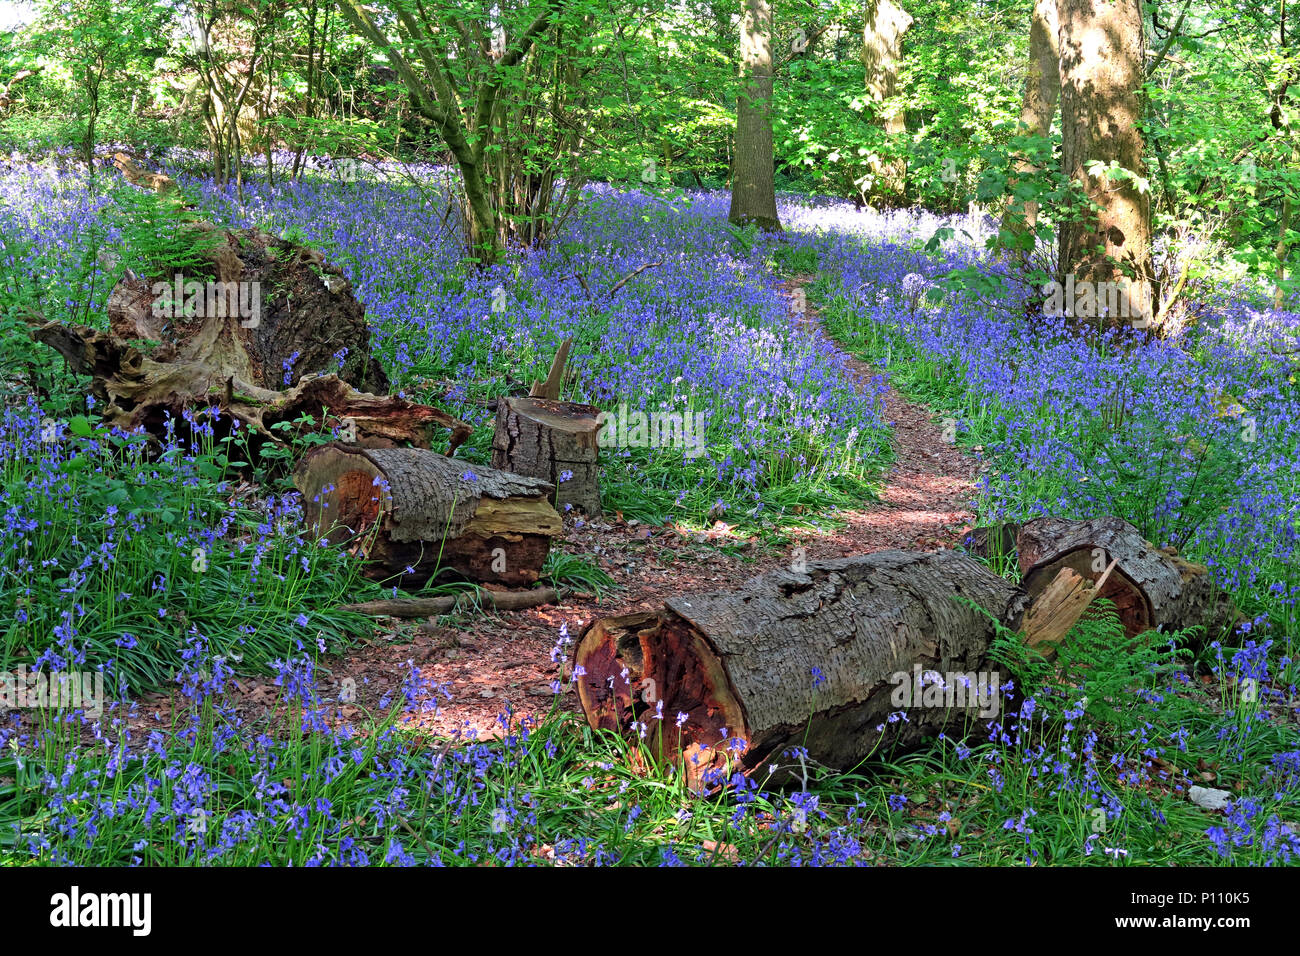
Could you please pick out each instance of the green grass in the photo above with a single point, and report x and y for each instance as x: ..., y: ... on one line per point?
x: 1099, y: 781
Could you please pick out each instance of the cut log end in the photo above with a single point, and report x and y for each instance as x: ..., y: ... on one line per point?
x: 551, y: 440
x: 1151, y: 588
x: 642, y: 670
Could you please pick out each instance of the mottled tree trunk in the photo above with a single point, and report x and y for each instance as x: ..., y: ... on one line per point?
x: 1101, y: 47
x: 1042, y: 90
x: 882, y: 51
x: 753, y: 187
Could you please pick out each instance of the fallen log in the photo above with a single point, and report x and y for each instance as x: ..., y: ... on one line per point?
x: 1151, y: 588
x: 745, y: 660
x: 146, y: 179
x: 446, y: 604
x: 551, y: 440
x: 414, y: 514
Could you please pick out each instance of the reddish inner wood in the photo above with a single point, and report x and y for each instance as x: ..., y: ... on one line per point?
x: 683, y: 670
x: 358, y: 500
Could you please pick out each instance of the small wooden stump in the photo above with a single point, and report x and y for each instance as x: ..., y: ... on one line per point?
x: 548, y: 439
x: 413, y: 513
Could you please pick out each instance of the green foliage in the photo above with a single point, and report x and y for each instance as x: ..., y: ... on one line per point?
x: 176, y: 552
x: 1096, y: 663
x: 580, y: 572
x: 153, y: 232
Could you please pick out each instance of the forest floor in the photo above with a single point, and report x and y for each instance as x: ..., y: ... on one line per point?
x: 495, y: 663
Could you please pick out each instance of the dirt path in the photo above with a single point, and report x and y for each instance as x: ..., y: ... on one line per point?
x: 491, y: 663
x: 924, y: 504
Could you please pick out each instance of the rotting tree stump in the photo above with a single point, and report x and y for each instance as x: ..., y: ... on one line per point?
x: 262, y: 328
x: 1151, y: 588
x: 548, y: 439
x: 414, y: 514
x: 744, y: 661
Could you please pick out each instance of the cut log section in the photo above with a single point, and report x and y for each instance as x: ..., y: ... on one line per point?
x: 744, y: 661
x: 414, y: 514
x: 551, y: 440
x: 144, y: 178
x: 1151, y: 588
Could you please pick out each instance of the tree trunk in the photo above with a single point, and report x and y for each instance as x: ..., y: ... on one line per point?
x: 414, y: 514
x: 549, y: 440
x: 1151, y: 588
x: 1101, y: 48
x: 882, y: 51
x: 753, y: 187
x: 1042, y: 89
x: 744, y: 661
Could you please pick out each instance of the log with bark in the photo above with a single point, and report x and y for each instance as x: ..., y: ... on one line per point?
x: 1151, y: 588
x: 551, y: 440
x: 873, y: 626
x: 262, y: 328
x: 465, y: 601
x: 414, y: 514
x: 133, y: 173
x: 745, y: 661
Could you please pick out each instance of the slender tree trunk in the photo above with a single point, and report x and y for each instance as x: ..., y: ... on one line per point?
x: 1042, y: 90
x: 753, y: 188
x: 1277, y: 118
x: 1281, y: 250
x: 1101, y: 43
x: 882, y: 51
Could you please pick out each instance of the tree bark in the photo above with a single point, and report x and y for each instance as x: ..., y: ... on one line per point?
x: 1101, y: 49
x: 468, y: 600
x: 744, y: 661
x: 1151, y: 588
x: 1042, y: 90
x: 414, y: 514
x: 549, y: 440
x: 882, y: 52
x: 753, y: 185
